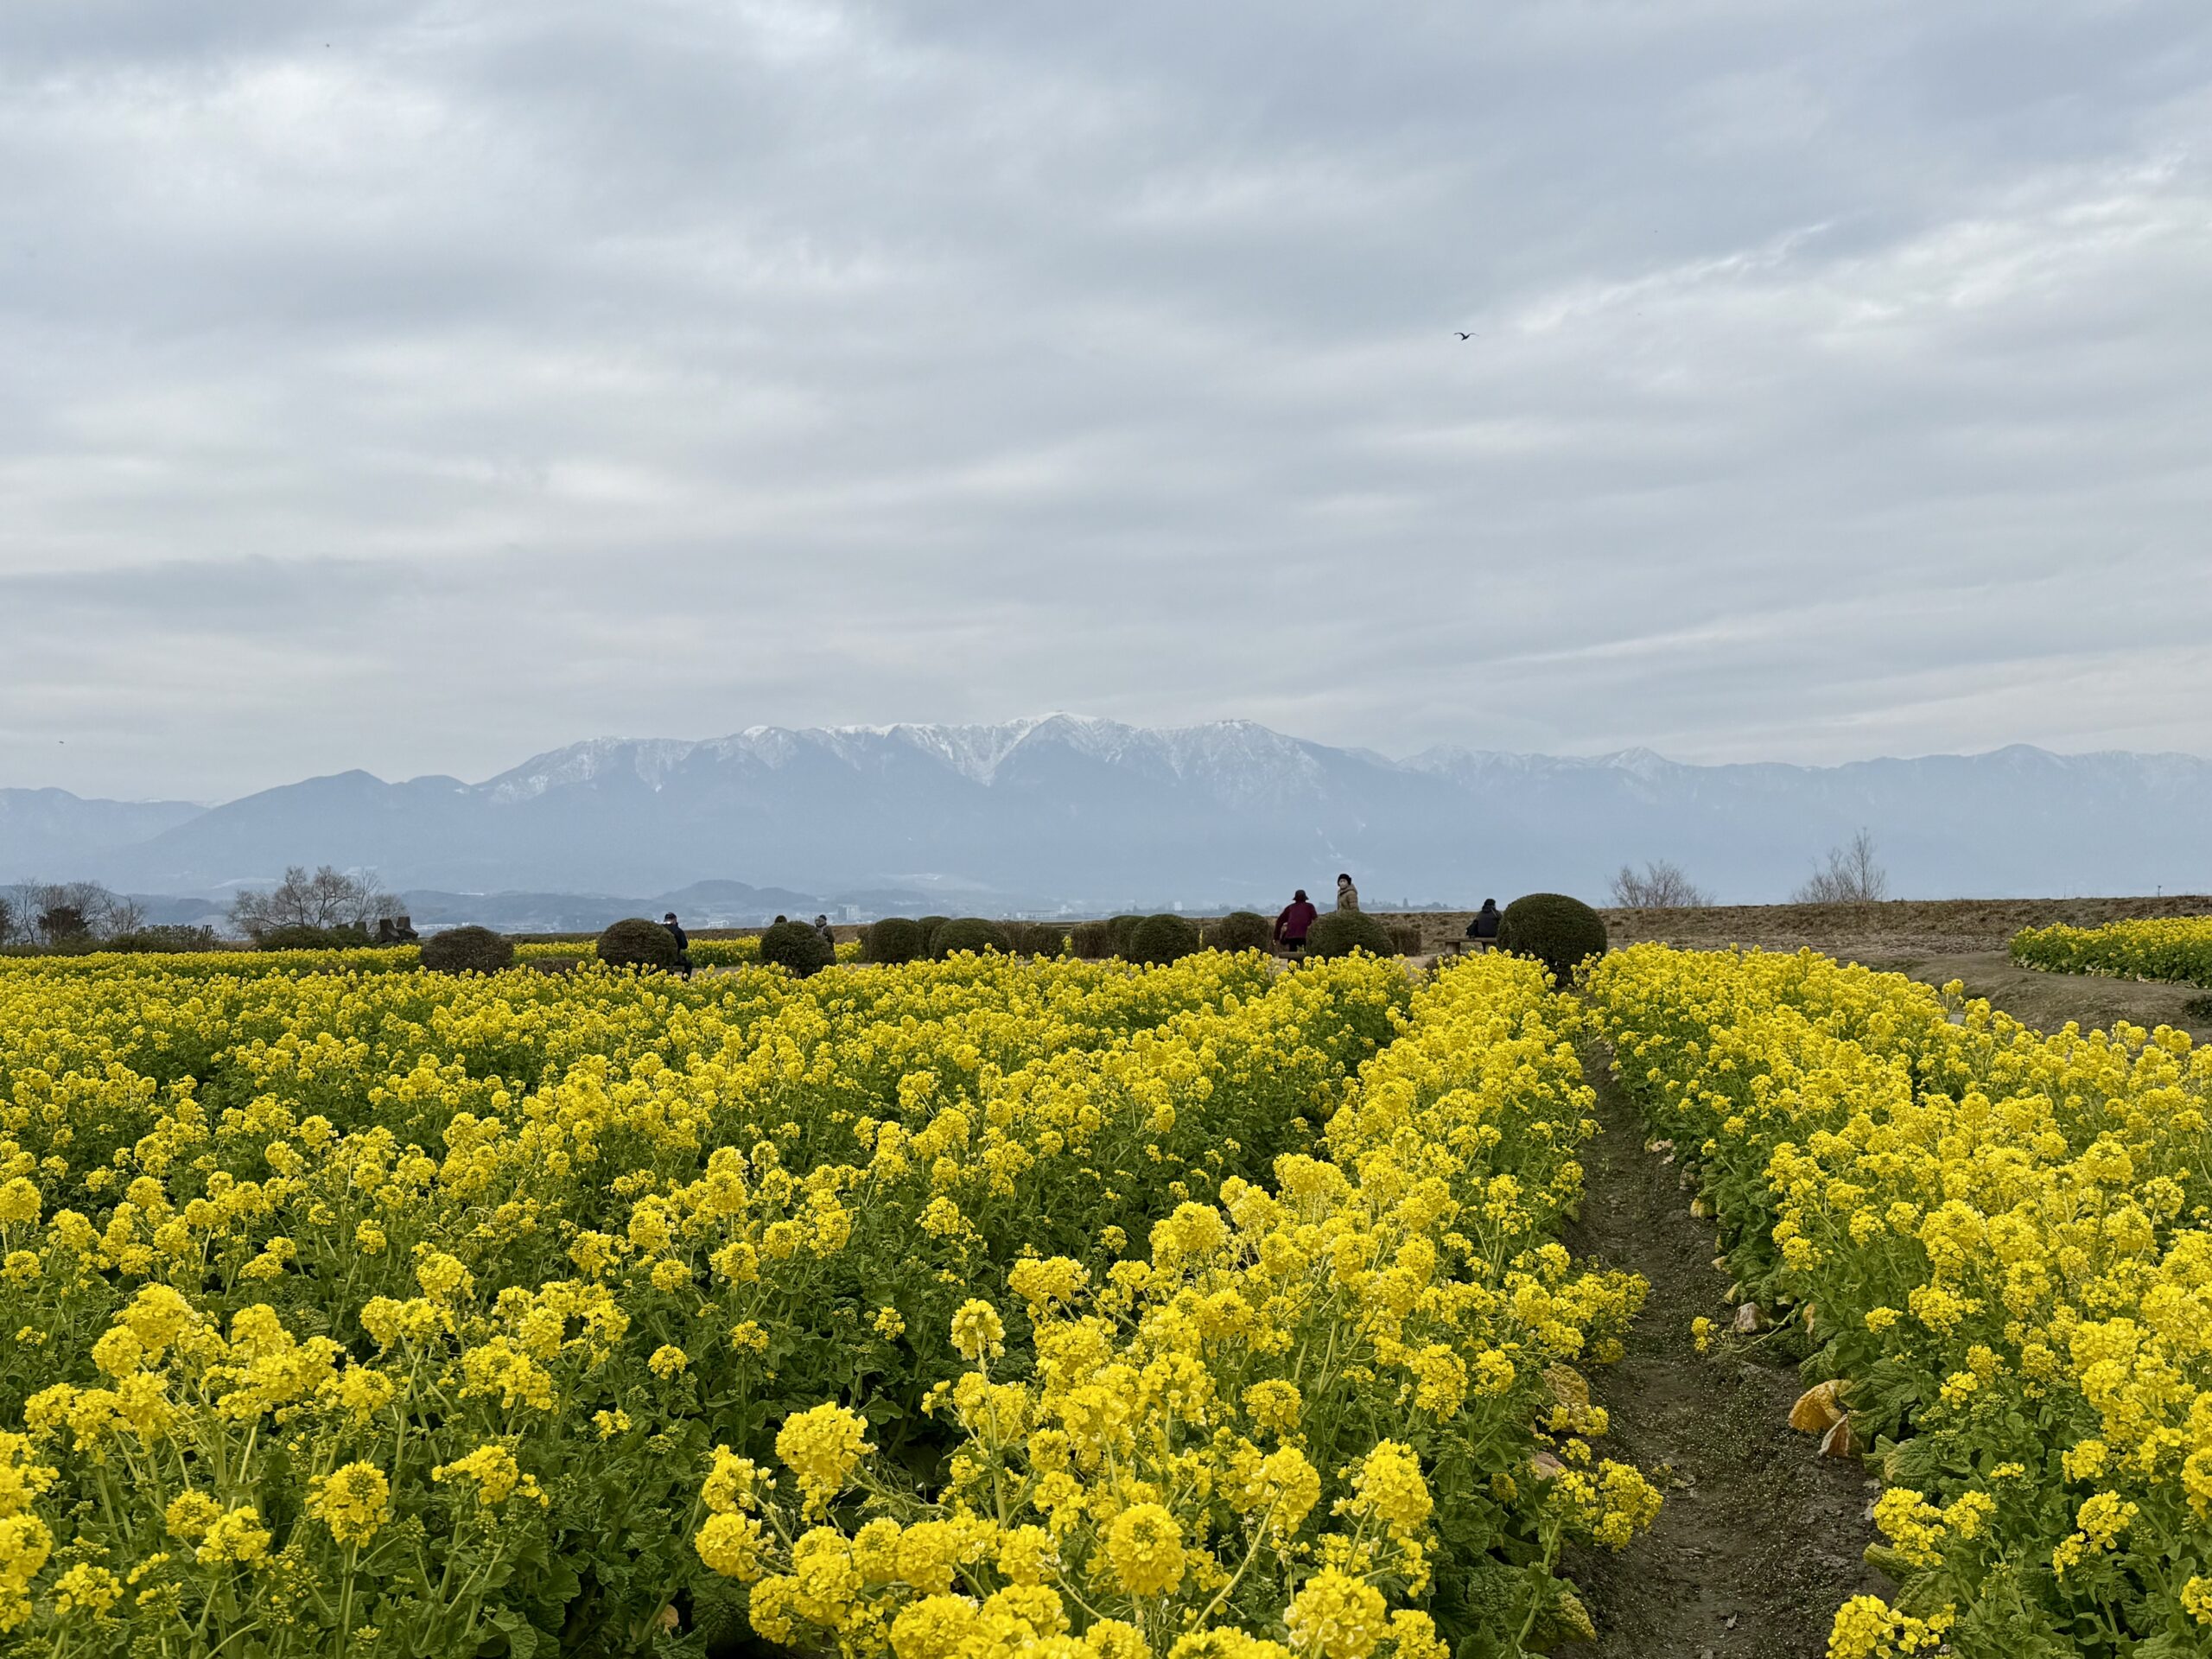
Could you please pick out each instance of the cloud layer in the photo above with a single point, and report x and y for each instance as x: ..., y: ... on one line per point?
x: 424, y: 386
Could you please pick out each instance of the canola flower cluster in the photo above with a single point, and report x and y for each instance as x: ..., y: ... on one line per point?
x: 374, y: 1312
x: 2175, y: 947
x: 1336, y: 1415
x: 1996, y: 1241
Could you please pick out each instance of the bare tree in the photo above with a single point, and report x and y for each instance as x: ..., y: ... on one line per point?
x: 10, y: 918
x: 1853, y: 876
x: 1661, y: 885
x: 330, y: 898
x: 55, y: 913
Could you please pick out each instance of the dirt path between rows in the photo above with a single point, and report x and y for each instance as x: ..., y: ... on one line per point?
x: 1760, y: 1539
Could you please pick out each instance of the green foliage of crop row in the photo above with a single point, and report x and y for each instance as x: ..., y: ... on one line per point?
x: 2175, y: 947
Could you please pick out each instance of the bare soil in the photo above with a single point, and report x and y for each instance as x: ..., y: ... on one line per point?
x: 1906, y: 927
x: 1760, y: 1539
x: 1933, y: 940
x: 2047, y: 1001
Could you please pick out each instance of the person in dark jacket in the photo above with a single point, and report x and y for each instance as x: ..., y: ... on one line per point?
x: 1290, y: 927
x: 822, y: 926
x: 1483, y: 929
x: 682, y: 942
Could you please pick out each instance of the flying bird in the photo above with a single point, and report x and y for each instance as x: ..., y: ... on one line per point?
x: 1464, y: 334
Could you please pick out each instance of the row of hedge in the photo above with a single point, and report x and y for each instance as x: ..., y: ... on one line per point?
x: 1153, y: 940
x: 1558, y: 931
x: 901, y: 938
x: 168, y: 939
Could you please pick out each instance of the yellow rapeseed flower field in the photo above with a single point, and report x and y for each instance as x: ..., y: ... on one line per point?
x: 1306, y: 1423
x: 1998, y: 1243
x: 950, y: 1306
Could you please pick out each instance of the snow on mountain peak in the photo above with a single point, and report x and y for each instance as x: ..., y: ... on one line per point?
x: 1239, y: 760
x: 652, y: 760
x: 1064, y: 806
x: 1640, y: 763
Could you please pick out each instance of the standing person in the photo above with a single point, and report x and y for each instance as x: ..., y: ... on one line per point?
x: 1347, y: 894
x: 1290, y: 927
x: 822, y: 926
x: 1483, y: 931
x: 683, y: 942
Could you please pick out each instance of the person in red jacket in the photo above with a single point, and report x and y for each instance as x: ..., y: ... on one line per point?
x: 1290, y: 927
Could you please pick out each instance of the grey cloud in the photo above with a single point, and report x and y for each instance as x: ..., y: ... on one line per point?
x: 499, y: 373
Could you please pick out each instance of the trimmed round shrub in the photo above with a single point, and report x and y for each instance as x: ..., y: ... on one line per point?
x: 1241, y: 930
x: 929, y: 925
x: 1091, y: 941
x: 894, y: 939
x: 1039, y: 938
x: 1123, y: 932
x: 1557, y: 930
x: 970, y: 933
x: 797, y: 947
x: 1162, y: 939
x: 636, y: 943
x: 469, y: 951
x: 1340, y: 932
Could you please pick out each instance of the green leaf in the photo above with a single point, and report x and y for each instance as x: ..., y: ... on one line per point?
x: 521, y: 1634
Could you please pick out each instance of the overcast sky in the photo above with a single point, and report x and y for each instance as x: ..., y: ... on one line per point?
x: 425, y: 385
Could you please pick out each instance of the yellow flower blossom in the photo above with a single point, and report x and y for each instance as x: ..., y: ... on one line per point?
x: 354, y: 1502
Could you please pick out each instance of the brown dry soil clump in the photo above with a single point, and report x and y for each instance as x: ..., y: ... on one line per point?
x: 1760, y: 1539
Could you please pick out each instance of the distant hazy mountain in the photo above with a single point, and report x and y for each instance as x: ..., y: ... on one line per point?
x: 1096, y: 813
x: 49, y: 833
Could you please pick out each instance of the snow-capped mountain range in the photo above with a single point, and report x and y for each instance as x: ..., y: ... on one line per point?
x: 1091, y: 812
